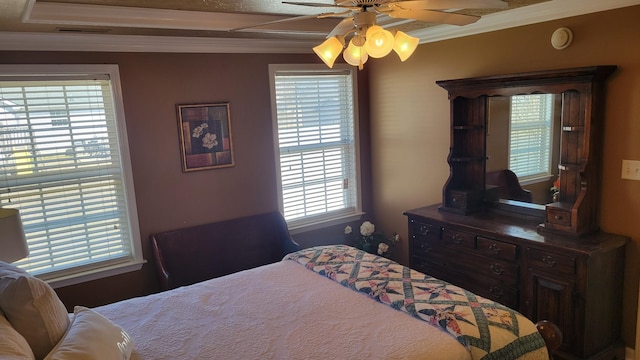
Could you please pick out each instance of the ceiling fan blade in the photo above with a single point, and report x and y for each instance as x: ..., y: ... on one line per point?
x: 430, y: 16
x: 319, y: 4
x: 343, y: 27
x: 450, y: 4
x: 295, y: 18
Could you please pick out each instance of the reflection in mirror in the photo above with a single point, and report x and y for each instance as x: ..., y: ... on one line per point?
x: 523, y: 146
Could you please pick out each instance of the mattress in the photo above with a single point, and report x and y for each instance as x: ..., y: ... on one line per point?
x: 277, y: 311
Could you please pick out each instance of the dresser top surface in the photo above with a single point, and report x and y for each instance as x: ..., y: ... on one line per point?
x: 519, y: 230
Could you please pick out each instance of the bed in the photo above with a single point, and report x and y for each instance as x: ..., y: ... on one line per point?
x: 327, y: 302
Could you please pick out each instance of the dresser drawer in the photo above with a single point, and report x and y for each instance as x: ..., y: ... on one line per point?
x: 496, y: 249
x: 488, y: 288
x: 557, y: 263
x: 432, y: 266
x: 474, y: 265
x: 424, y: 247
x: 464, y: 199
x: 558, y: 216
x: 458, y: 238
x: 418, y: 229
x: 504, y: 294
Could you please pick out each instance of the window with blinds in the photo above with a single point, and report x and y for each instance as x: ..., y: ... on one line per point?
x: 315, y: 126
x: 531, y: 135
x: 62, y: 166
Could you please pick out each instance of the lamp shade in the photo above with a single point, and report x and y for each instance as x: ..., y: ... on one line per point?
x: 355, y: 55
x: 329, y: 50
x: 379, y: 42
x: 404, y: 45
x: 13, y: 245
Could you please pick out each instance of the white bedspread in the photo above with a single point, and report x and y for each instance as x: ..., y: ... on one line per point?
x: 277, y: 311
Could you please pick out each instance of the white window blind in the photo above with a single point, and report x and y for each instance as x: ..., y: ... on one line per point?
x: 61, y: 166
x: 530, y: 135
x: 316, y: 145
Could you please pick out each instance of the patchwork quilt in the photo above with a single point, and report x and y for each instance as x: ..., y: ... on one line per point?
x: 487, y: 329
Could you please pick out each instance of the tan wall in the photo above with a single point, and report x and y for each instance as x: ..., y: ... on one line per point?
x: 410, y: 118
x: 409, y: 132
x: 167, y: 198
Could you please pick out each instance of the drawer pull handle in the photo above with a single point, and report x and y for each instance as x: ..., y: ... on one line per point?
x: 424, y: 230
x: 456, y: 239
x: 548, y: 260
x: 558, y: 217
x: 495, y: 248
x: 496, y: 292
x: 497, y: 269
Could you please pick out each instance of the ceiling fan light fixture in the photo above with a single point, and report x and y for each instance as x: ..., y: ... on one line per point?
x: 404, y: 45
x: 360, y: 18
x: 379, y: 41
x: 329, y: 50
x: 355, y: 55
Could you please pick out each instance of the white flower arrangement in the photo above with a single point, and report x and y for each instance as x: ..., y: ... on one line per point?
x: 369, y: 240
x: 197, y: 132
x: 209, y: 140
x: 367, y: 228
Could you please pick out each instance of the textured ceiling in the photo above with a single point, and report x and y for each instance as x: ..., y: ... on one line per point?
x: 230, y: 26
x: 12, y: 11
x: 234, y: 6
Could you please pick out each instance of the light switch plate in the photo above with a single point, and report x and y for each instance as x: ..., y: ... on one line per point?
x: 631, y: 169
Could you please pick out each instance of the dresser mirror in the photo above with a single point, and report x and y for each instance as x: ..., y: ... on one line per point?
x: 577, y: 100
x: 523, y: 146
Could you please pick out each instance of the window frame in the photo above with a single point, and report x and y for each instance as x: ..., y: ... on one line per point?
x: 314, y: 222
x: 135, y: 260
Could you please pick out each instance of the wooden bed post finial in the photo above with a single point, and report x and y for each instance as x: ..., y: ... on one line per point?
x: 551, y: 334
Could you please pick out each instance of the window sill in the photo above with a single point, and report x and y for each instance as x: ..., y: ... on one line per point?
x: 298, y: 229
x: 534, y: 180
x: 93, y: 274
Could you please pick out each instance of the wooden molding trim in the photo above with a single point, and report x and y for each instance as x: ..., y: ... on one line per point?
x: 546, y: 11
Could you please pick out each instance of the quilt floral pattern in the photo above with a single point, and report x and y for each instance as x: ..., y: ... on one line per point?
x: 487, y: 329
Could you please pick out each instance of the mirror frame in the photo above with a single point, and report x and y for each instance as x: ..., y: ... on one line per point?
x: 582, y: 91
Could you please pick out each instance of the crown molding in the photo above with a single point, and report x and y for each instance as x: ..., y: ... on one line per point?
x: 527, y: 15
x: 140, y: 43
x: 546, y: 11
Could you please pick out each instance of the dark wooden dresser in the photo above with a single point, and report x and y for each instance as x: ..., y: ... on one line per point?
x: 574, y: 282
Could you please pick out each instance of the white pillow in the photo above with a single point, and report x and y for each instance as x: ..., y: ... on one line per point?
x: 7, y: 269
x: 33, y: 309
x: 92, y: 336
x: 12, y: 345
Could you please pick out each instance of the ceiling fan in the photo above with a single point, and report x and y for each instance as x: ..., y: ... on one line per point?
x: 369, y: 39
x: 431, y: 11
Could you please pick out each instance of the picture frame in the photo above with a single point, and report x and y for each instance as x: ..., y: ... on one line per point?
x: 205, y: 136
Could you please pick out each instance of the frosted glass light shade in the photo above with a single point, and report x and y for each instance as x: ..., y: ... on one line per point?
x: 379, y: 42
x: 355, y: 55
x: 13, y: 245
x: 329, y: 50
x: 404, y: 45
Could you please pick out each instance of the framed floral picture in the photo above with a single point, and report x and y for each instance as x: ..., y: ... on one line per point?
x: 205, y: 136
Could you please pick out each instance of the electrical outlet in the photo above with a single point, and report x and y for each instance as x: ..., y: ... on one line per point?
x: 631, y: 169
